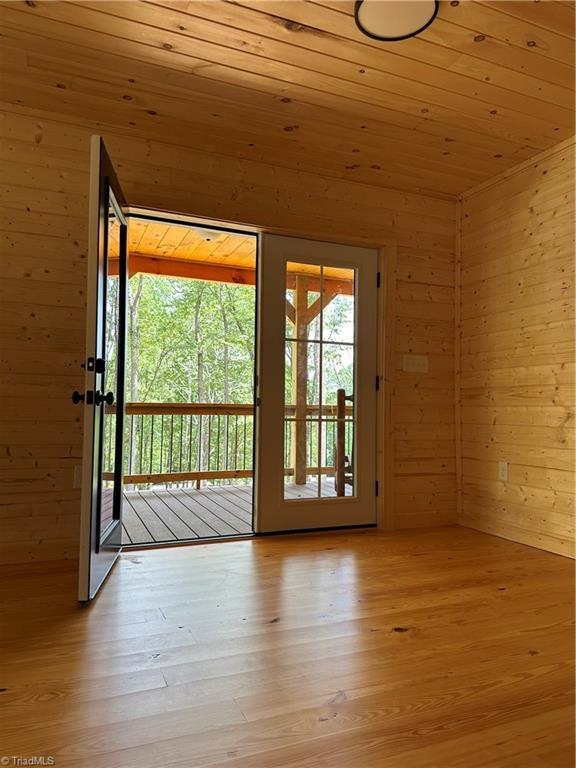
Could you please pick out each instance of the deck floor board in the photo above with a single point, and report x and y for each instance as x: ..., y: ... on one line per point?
x: 180, y: 514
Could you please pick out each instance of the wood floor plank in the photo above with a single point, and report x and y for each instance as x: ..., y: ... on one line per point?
x: 413, y: 649
x: 230, y: 511
x: 225, y: 510
x: 154, y: 524
x: 165, y: 504
x: 201, y: 506
x: 138, y: 532
x: 173, y: 499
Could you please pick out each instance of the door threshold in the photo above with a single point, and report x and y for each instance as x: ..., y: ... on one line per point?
x: 329, y: 529
x: 186, y: 542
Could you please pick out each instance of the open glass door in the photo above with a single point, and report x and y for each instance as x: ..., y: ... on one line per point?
x: 103, y: 398
x: 316, y: 459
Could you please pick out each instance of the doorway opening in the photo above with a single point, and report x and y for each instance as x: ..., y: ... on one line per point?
x: 189, y: 429
x: 171, y: 386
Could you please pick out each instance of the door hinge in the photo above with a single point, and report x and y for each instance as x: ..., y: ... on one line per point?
x: 377, y: 383
x: 377, y: 279
x: 376, y: 488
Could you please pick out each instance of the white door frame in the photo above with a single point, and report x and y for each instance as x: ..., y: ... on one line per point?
x: 272, y: 511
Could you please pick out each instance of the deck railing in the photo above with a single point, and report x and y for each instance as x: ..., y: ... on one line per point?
x: 195, y: 442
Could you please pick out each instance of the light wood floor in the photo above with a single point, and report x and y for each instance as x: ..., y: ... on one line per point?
x: 430, y: 649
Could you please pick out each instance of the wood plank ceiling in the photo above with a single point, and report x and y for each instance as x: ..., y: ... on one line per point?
x: 293, y: 83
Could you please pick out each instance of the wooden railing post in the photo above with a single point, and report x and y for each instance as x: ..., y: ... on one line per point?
x: 340, y: 457
x: 300, y: 380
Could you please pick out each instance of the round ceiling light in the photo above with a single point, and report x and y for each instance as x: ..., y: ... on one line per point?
x: 394, y: 19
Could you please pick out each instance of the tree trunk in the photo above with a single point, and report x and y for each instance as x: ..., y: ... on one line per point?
x: 133, y: 302
x: 203, y: 458
x: 226, y: 388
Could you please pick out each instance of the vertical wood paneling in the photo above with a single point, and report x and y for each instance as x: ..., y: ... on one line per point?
x: 518, y: 353
x: 43, y: 250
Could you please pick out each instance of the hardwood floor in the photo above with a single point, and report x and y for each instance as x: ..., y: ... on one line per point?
x: 443, y: 648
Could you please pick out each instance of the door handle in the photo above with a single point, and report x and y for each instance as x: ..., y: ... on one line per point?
x: 79, y: 397
x: 107, y: 398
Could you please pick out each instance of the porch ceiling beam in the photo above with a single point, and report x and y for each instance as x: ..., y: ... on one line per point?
x: 195, y: 270
x: 219, y: 273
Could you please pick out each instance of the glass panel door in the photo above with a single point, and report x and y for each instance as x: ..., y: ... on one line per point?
x: 316, y: 457
x: 112, y: 353
x: 319, y: 381
x: 103, y: 398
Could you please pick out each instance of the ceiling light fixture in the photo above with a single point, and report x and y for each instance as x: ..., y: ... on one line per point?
x: 394, y: 19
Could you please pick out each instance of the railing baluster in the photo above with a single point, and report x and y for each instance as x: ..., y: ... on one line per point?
x: 226, y: 443
x: 141, y: 441
x: 161, y: 445
x: 171, y: 442
x: 209, y: 457
x: 236, y: 442
x: 218, y: 443
x: 200, y: 446
x: 151, y: 444
x: 181, y: 437
x: 244, y: 441
x: 190, y: 443
x: 131, y: 454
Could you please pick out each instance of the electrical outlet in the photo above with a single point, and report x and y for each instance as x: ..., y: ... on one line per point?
x: 77, y: 482
x: 503, y: 470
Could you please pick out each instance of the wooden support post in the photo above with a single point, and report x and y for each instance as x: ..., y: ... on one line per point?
x: 300, y: 380
x: 340, y: 442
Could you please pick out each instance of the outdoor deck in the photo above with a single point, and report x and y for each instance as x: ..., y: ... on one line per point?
x: 180, y: 514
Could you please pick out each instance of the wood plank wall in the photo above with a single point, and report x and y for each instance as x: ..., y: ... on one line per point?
x: 517, y: 342
x: 43, y: 237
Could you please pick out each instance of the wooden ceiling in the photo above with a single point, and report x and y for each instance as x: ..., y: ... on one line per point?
x: 294, y: 83
x: 185, y: 243
x: 177, y: 250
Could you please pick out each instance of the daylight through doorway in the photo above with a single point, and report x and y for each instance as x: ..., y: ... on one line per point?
x: 189, y: 434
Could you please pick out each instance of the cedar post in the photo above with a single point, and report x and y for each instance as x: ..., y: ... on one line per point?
x: 300, y: 380
x: 340, y: 441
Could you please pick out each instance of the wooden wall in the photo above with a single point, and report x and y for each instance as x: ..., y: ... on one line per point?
x: 517, y: 345
x: 43, y: 237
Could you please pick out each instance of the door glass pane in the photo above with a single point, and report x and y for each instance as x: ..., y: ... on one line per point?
x: 302, y: 379
x: 337, y: 373
x: 303, y: 300
x: 319, y: 382
x: 301, y: 474
x: 108, y: 513
x: 338, y: 311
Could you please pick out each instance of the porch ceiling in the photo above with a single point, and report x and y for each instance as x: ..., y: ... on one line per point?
x: 183, y: 251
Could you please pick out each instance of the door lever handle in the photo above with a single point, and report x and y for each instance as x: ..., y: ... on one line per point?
x: 107, y: 398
